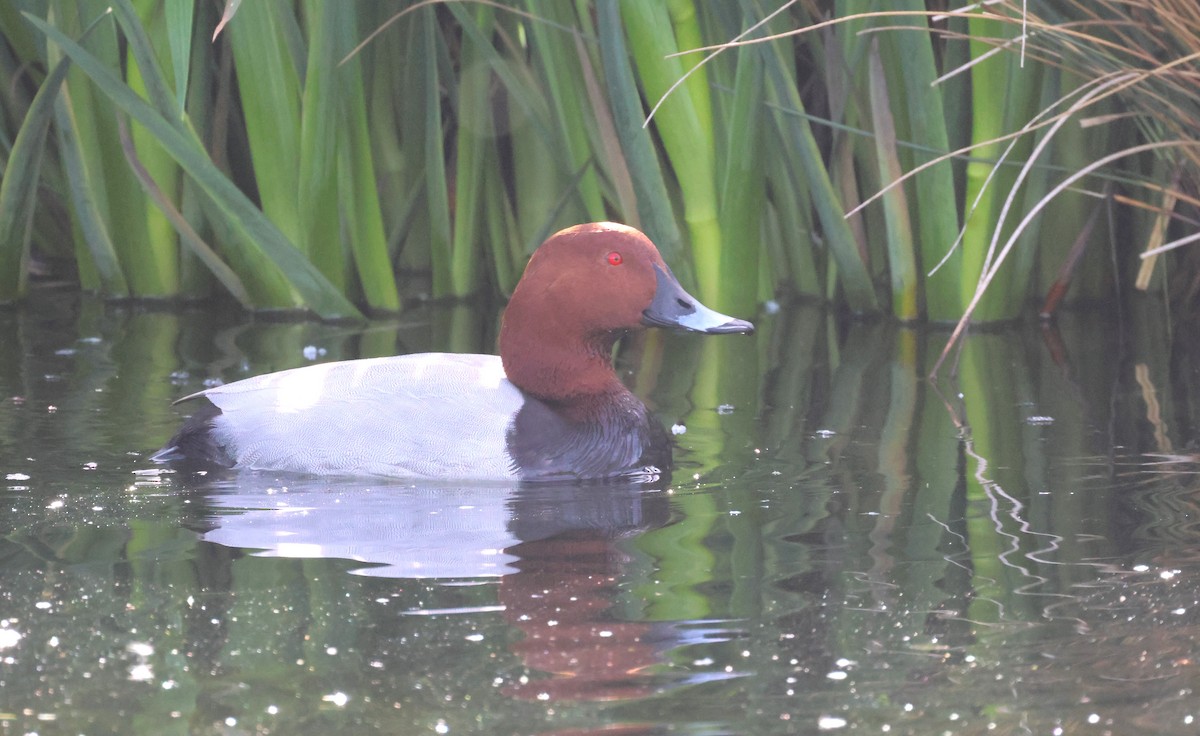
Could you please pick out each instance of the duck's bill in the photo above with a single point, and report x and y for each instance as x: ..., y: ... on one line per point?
x: 673, y: 307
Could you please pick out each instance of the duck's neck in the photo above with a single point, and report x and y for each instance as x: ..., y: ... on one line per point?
x: 572, y: 374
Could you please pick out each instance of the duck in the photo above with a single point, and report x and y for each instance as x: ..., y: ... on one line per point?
x: 549, y: 407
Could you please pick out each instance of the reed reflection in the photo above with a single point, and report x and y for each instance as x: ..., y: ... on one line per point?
x: 555, y: 555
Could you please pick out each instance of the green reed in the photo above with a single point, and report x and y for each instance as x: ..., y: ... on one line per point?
x: 880, y: 158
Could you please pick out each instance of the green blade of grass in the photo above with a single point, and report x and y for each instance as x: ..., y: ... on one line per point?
x: 402, y: 156
x: 358, y: 190
x: 437, y: 188
x: 936, y: 202
x: 608, y: 145
x: 793, y: 238
x: 854, y: 278
x: 180, y: 15
x: 653, y: 201
x: 155, y: 270
x: 537, y: 184
x: 83, y: 187
x: 680, y: 126
x: 267, y: 246
x: 993, y: 86
x: 743, y: 189
x: 219, y: 269
x: 315, y: 192
x: 525, y: 95
x: 685, y: 23
x: 559, y: 65
x: 119, y: 200
x: 472, y: 138
x: 541, y: 169
x: 18, y: 188
x: 269, y: 87
x: 16, y: 33
x: 142, y: 49
x: 902, y: 259
x: 501, y: 228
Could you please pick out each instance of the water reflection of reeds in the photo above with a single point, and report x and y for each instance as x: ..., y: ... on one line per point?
x: 836, y: 523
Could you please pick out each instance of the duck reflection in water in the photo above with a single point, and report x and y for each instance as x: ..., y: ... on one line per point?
x: 558, y: 556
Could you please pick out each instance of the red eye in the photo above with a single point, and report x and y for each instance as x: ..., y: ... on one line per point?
x: 615, y: 259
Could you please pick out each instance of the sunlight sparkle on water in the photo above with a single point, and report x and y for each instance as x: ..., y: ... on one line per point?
x: 828, y: 723
x: 9, y: 638
x: 339, y: 699
x: 141, y: 673
x: 140, y: 648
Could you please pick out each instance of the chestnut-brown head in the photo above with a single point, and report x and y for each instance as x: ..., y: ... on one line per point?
x: 582, y: 289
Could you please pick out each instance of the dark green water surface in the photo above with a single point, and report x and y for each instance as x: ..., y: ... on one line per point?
x: 844, y: 547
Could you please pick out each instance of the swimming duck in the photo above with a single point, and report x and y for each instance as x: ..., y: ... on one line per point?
x: 549, y: 408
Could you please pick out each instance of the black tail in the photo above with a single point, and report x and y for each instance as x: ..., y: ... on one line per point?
x: 194, y: 444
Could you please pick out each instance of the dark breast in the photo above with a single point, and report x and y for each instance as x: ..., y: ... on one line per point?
x: 617, y: 440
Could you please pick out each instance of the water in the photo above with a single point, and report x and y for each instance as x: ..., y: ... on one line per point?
x: 844, y: 547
